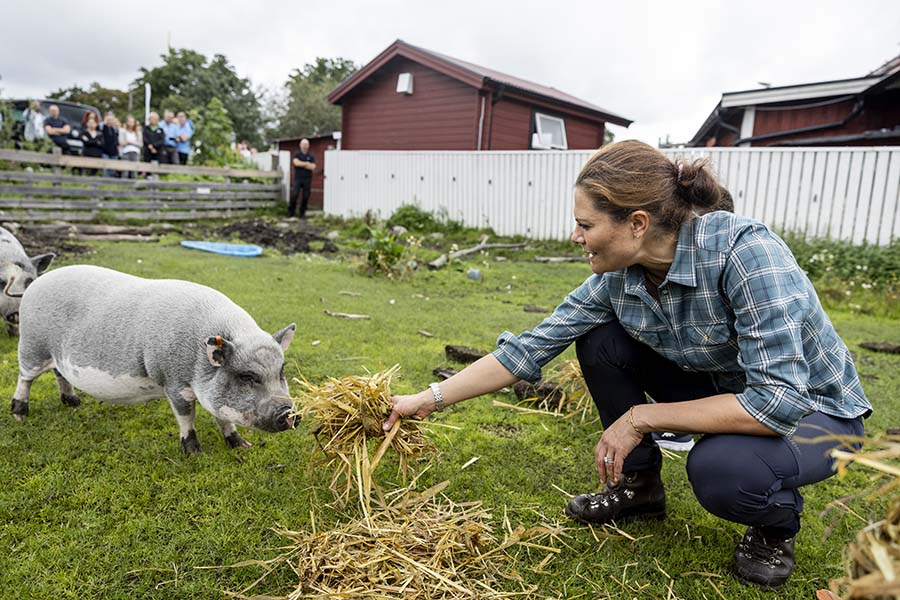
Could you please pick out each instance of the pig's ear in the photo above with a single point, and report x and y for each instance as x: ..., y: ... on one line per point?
x: 41, y: 262
x: 218, y: 350
x: 285, y: 336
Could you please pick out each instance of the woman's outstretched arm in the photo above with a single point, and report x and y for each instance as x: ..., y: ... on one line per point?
x: 484, y: 376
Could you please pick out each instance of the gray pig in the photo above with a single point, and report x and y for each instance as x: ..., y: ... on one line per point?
x: 17, y: 271
x: 126, y: 340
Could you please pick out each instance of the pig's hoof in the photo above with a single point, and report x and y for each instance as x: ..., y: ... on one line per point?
x: 70, y: 400
x: 190, y: 444
x: 234, y: 440
x: 19, y: 410
x: 12, y: 330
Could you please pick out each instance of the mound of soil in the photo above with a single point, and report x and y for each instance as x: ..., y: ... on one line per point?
x: 42, y: 242
x: 289, y: 237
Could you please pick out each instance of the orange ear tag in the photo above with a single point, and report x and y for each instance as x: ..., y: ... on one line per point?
x: 219, y: 342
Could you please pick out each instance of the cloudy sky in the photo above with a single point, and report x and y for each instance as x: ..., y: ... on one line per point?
x: 663, y: 64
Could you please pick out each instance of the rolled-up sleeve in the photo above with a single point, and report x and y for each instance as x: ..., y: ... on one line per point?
x: 769, y: 295
x: 583, y: 309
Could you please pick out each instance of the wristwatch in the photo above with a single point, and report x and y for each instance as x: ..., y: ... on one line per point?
x: 438, y: 397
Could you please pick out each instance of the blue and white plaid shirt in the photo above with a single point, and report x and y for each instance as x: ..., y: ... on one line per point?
x: 736, y: 304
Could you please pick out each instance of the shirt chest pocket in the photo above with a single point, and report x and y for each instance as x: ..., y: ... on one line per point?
x: 711, y: 334
x: 655, y: 336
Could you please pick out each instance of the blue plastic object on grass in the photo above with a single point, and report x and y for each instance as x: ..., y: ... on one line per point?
x: 244, y: 250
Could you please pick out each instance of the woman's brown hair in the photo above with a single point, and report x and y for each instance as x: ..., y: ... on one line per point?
x: 627, y: 176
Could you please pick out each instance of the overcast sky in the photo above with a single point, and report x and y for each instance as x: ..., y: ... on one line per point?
x: 663, y: 64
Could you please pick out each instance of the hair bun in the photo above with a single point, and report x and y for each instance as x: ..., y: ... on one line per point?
x: 695, y: 184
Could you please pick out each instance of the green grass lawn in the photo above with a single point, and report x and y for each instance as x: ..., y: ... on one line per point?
x: 97, y: 502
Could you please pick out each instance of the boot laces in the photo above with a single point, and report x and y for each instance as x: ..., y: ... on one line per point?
x: 754, y: 546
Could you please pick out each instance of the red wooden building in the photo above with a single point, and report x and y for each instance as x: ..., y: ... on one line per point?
x: 318, y: 144
x: 850, y: 112
x: 409, y: 98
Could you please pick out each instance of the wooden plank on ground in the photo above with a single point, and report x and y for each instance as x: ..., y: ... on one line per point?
x: 187, y: 215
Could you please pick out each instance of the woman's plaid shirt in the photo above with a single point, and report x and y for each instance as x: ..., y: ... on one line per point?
x: 736, y: 304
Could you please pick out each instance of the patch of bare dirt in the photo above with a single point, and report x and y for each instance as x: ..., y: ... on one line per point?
x: 289, y: 237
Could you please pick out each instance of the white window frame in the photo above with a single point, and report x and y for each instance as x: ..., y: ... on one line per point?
x: 537, y: 124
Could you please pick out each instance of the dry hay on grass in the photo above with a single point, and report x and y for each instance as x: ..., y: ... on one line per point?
x: 564, y: 393
x: 873, y: 569
x: 415, y: 546
x: 345, y: 414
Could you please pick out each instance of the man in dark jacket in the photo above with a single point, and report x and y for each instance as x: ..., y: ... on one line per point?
x: 154, y: 139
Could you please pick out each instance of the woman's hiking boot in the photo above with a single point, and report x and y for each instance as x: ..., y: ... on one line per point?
x: 638, y: 495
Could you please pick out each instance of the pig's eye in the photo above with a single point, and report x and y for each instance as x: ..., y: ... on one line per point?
x: 248, y: 378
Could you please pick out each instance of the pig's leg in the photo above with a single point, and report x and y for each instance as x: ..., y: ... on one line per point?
x: 182, y: 401
x: 231, y: 435
x: 20, y: 398
x: 31, y: 366
x: 66, y: 391
x: 12, y: 329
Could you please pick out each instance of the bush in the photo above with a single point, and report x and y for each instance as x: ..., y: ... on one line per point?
x: 415, y: 219
x: 389, y: 257
x: 826, y: 259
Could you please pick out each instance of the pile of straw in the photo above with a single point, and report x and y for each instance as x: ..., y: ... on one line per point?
x: 418, y: 546
x: 874, y: 557
x: 344, y: 414
x: 563, y: 393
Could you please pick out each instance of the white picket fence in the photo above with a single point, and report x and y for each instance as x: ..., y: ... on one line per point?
x: 839, y: 193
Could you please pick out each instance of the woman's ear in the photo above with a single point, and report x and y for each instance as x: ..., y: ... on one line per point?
x: 640, y: 223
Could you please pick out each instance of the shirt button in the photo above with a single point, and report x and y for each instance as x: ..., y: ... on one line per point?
x: 664, y: 292
x: 685, y: 367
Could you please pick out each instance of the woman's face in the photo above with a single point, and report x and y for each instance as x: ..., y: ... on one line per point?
x: 611, y: 245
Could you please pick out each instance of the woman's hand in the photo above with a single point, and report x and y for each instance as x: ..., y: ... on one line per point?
x: 420, y: 405
x: 617, y: 442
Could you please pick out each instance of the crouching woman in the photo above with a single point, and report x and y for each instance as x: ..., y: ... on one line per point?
x: 710, y: 315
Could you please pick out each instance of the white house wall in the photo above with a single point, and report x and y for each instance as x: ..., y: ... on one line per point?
x: 843, y: 193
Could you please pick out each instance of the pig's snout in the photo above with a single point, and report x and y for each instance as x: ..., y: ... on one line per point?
x: 13, y: 318
x: 285, y: 419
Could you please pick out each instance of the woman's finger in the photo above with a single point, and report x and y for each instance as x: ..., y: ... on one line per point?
x: 391, y: 420
x: 617, y: 467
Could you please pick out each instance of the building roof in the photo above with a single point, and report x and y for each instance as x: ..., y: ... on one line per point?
x: 884, y: 76
x: 318, y: 136
x: 479, y: 77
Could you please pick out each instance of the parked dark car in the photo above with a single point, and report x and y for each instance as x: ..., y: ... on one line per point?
x: 72, y: 112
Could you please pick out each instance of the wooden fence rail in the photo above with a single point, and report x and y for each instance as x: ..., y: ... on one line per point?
x: 56, y: 195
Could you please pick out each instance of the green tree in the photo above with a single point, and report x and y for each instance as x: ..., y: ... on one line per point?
x: 102, y: 98
x: 213, y: 136
x: 305, y: 109
x: 187, y: 79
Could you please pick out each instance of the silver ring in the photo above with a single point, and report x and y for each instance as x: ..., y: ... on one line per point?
x: 608, y: 460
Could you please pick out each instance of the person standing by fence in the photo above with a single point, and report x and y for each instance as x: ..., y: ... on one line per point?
x: 110, y: 142
x: 92, y: 139
x: 57, y: 129
x: 154, y: 139
x: 131, y: 142
x: 184, y: 133
x: 169, y: 155
x: 34, y: 122
x: 304, y: 165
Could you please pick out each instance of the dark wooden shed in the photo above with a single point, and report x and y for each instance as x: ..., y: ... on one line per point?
x: 409, y: 98
x: 863, y: 111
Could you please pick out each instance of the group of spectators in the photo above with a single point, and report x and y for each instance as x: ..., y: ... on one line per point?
x: 166, y: 142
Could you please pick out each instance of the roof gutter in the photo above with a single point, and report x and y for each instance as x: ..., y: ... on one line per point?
x: 857, y: 109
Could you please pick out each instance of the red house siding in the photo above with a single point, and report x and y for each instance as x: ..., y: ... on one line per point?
x: 882, y: 111
x: 439, y: 115
x: 512, y: 124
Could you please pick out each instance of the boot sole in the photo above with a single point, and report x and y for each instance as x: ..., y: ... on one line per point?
x: 760, y: 586
x: 655, y: 513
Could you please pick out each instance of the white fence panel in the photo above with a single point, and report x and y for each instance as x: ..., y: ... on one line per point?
x: 841, y: 193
